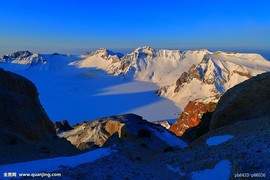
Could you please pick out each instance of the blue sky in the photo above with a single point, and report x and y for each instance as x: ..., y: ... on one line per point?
x: 74, y: 26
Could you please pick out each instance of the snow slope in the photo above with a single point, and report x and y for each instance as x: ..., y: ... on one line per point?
x: 216, y: 73
x: 54, y: 164
x: 169, y: 138
x: 145, y: 63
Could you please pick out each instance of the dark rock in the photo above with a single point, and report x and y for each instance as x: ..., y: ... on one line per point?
x: 169, y: 149
x: 62, y: 126
x: 20, y: 108
x: 5, y: 57
x: 202, y: 128
x: 24, y: 125
x: 138, y: 158
x: 22, y: 54
x: 245, y: 101
x: 144, y: 133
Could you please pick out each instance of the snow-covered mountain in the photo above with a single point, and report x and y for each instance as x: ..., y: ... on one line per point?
x: 182, y: 76
x: 101, y: 58
x: 24, y: 58
x: 144, y: 63
x: 216, y: 73
x: 75, y: 83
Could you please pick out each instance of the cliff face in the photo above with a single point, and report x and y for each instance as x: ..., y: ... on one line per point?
x: 24, y: 125
x: 20, y: 109
x: 192, y: 114
x: 245, y: 101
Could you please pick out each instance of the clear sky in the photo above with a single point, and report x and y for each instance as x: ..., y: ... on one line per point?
x: 79, y: 25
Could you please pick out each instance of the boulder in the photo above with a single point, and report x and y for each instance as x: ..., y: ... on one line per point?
x: 97, y: 132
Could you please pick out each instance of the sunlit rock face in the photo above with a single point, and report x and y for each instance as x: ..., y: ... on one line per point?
x: 192, y: 114
x: 118, y: 131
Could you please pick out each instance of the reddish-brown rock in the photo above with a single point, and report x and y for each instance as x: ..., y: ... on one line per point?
x: 191, y: 116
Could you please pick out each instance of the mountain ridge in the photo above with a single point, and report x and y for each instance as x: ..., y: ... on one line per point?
x: 180, y: 76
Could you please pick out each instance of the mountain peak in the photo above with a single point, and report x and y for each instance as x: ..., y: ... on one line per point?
x: 199, y: 51
x: 22, y: 54
x: 145, y: 50
x: 105, y: 53
x: 23, y: 57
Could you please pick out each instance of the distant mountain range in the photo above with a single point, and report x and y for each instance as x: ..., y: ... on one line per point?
x: 181, y: 76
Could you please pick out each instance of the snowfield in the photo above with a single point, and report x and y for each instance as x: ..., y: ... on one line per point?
x: 169, y: 138
x: 54, y: 164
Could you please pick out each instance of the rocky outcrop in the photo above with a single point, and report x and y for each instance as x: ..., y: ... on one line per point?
x: 192, y: 114
x: 244, y: 101
x: 186, y: 77
x: 24, y: 125
x: 62, y: 126
x: 163, y: 123
x: 94, y: 133
x: 129, y: 127
x: 20, y: 109
x: 202, y: 128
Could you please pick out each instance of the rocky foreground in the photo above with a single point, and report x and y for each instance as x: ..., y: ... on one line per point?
x: 247, y: 150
